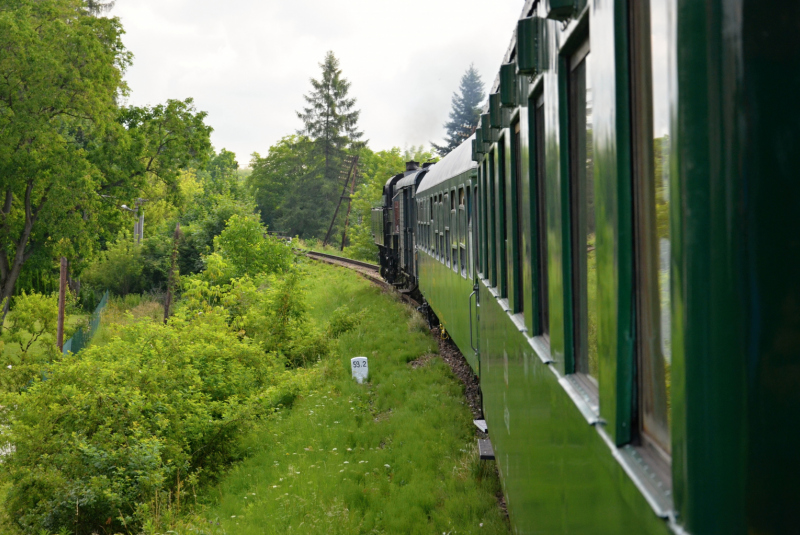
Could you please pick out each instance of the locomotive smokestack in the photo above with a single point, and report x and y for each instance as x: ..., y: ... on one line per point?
x: 412, y: 166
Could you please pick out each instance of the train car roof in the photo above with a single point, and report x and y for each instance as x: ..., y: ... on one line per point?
x: 457, y: 162
x: 411, y: 177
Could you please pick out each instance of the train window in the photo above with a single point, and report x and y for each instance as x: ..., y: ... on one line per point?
x: 431, y: 242
x: 462, y: 232
x: 455, y: 231
x: 502, y: 219
x: 582, y: 216
x: 650, y: 59
x: 517, y: 217
x: 484, y: 226
x: 447, y: 228
x: 540, y: 217
x: 491, y: 194
x: 440, y: 245
x: 470, y: 231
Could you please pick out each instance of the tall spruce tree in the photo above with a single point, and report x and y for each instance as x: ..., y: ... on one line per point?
x: 330, y: 120
x: 465, y: 112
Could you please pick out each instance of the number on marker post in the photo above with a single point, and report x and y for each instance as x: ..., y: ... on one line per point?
x: 360, y: 368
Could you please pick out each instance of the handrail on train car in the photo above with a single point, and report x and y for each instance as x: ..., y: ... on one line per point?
x: 474, y: 291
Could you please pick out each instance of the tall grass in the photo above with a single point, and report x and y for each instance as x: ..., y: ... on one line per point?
x: 395, y: 455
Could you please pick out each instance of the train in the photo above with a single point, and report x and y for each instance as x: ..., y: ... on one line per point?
x: 615, y: 251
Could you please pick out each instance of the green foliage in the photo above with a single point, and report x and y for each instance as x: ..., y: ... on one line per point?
x: 282, y: 183
x: 130, y: 419
x: 204, y: 220
x: 465, y: 113
x: 29, y: 337
x: 223, y: 176
x: 330, y: 118
x: 396, y: 455
x: 343, y: 320
x: 60, y: 72
x: 69, y: 154
x: 119, y: 268
x: 298, y: 184
x: 269, y: 309
x: 33, y: 318
x: 249, y: 250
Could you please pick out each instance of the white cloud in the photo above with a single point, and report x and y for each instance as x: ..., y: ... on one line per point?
x: 248, y: 63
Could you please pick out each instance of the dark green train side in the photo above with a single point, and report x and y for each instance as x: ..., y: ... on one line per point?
x: 616, y: 252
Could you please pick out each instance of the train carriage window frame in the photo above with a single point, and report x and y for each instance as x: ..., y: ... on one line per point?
x: 462, y: 230
x: 431, y: 228
x: 516, y: 204
x: 491, y: 195
x: 502, y: 219
x: 651, y: 242
x: 447, y: 227
x: 455, y: 231
x: 472, y: 191
x: 538, y: 219
x: 484, y: 224
x: 584, y: 363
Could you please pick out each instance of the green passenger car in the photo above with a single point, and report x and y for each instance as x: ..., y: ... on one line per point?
x: 629, y: 225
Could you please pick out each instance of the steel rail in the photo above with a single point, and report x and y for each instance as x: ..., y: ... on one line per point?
x: 373, y: 276
x: 344, y: 260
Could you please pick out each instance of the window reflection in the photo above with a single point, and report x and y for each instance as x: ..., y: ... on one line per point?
x: 583, y: 215
x: 652, y: 63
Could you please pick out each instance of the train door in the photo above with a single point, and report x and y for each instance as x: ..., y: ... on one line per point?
x: 473, y: 201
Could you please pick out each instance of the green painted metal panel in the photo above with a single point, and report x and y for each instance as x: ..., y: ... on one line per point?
x: 501, y: 222
x: 767, y: 231
x: 560, y: 9
x: 531, y: 45
x: 495, y: 114
x: 614, y: 217
x: 491, y: 211
x: 559, y: 475
x: 508, y: 85
x: 488, y: 133
x: 735, y: 266
x: 529, y: 253
x: 446, y: 290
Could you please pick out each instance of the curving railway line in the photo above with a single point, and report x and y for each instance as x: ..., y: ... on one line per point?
x: 365, y: 269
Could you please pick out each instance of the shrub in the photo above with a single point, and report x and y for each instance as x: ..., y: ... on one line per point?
x: 119, y: 268
x: 250, y: 251
x: 29, y: 337
x: 343, y: 320
x: 112, y: 428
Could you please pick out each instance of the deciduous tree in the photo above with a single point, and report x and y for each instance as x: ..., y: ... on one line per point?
x: 60, y: 73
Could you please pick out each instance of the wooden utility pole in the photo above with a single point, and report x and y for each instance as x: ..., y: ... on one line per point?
x: 62, y: 301
x: 349, y: 206
x: 341, y: 198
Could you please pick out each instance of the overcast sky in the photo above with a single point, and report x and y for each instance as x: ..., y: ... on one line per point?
x: 248, y: 62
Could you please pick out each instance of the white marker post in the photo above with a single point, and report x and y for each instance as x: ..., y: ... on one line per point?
x: 360, y: 368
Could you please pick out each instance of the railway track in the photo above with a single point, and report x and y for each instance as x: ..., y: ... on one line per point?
x: 365, y: 269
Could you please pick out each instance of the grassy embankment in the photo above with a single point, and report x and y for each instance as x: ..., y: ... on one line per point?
x: 396, y: 455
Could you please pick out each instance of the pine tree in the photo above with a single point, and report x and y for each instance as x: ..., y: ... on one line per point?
x: 330, y: 118
x: 465, y: 113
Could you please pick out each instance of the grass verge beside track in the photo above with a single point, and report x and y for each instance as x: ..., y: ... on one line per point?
x: 396, y: 455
